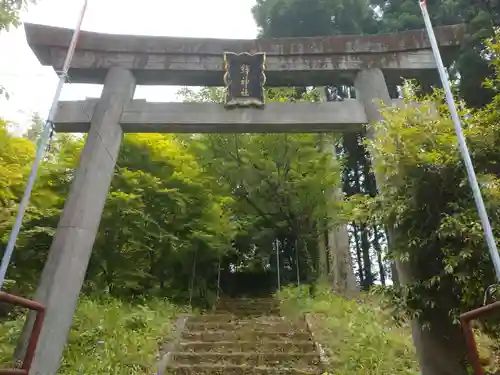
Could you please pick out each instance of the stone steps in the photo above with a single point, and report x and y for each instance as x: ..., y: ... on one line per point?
x: 250, y: 311
x: 214, y: 336
x: 246, y: 302
x: 300, y: 360
x: 178, y: 369
x: 244, y: 337
x: 291, y: 347
x: 245, y: 325
x: 244, y: 306
x: 228, y: 317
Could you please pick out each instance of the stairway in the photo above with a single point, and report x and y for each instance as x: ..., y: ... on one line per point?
x: 243, y: 337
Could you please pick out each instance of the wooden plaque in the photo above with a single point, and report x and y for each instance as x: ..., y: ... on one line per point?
x: 244, y: 79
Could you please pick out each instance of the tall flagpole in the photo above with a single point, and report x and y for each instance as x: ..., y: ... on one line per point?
x: 488, y: 232
x: 41, y: 146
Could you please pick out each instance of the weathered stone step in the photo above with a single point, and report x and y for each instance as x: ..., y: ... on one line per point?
x: 248, y: 358
x: 262, y: 324
x: 247, y: 306
x: 212, y: 336
x: 290, y: 347
x: 238, y: 370
x: 228, y: 317
x: 270, y: 303
x: 248, y: 303
x: 247, y: 300
x: 243, y: 310
x: 250, y: 313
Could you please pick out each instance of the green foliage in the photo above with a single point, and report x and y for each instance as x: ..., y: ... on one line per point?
x: 108, y: 336
x: 278, y: 183
x: 176, y: 201
x: 162, y: 209
x: 427, y: 198
x: 9, y: 12
x: 470, y: 64
x: 292, y: 18
x: 358, y: 336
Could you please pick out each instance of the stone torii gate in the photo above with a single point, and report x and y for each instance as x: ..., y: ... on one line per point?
x: 121, y: 62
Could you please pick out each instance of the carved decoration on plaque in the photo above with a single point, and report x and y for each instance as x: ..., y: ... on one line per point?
x: 244, y: 79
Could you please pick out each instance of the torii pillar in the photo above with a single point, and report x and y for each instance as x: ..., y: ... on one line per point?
x: 69, y: 255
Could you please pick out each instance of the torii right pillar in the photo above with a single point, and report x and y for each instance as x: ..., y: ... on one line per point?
x: 435, y: 350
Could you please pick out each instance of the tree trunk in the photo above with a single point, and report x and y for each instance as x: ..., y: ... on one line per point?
x: 341, y: 270
x: 322, y: 257
x: 367, y: 263
x: 394, y: 274
x: 358, y: 254
x: 365, y: 243
x: 440, y: 348
x: 378, y: 250
x: 342, y: 273
x: 322, y: 249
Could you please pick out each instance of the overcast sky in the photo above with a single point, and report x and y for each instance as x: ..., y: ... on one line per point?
x: 32, y: 86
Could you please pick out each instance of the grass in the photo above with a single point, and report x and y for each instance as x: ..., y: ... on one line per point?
x: 109, y: 336
x: 358, y: 336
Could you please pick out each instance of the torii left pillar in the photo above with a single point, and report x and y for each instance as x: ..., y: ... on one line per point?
x: 69, y: 255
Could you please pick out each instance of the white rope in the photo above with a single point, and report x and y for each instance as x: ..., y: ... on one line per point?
x: 44, y: 140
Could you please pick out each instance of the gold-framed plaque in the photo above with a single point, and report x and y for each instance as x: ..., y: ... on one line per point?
x: 244, y: 77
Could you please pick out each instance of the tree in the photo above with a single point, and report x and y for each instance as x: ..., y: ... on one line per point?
x: 298, y: 18
x: 9, y: 12
x: 36, y: 128
x: 301, y: 18
x: 439, y: 241
x: 472, y: 65
x: 15, y: 157
x: 278, y: 195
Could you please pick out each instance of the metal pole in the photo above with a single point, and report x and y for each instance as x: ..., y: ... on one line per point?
x: 490, y: 239
x: 193, y: 275
x: 42, y: 144
x: 297, y: 262
x: 278, y: 263
x: 218, y: 280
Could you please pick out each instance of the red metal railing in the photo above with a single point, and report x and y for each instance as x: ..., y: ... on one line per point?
x: 35, y: 333
x: 465, y: 320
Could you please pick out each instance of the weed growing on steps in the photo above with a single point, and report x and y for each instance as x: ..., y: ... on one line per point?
x: 357, y: 334
x: 109, y: 336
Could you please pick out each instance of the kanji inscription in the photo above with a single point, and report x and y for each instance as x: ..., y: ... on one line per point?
x: 244, y: 78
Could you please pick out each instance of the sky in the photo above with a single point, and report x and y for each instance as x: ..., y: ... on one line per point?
x: 31, y: 87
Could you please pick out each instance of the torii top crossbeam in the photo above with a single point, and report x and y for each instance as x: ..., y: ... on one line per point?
x: 199, y: 61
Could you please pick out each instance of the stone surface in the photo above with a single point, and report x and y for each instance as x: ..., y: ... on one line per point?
x: 146, y: 117
x: 371, y: 90
x: 70, y: 252
x: 245, y: 336
x: 438, y: 348
x: 199, y: 61
x: 333, y: 245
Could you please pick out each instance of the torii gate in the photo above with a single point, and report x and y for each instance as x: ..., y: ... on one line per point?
x: 121, y: 62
